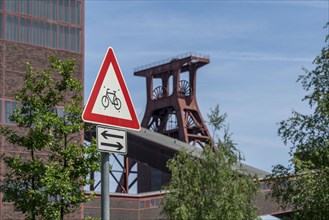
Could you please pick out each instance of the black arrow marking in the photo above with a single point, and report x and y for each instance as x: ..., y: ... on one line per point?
x: 118, y: 145
x: 105, y: 135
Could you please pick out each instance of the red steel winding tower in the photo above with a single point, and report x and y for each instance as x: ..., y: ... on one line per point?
x: 172, y: 107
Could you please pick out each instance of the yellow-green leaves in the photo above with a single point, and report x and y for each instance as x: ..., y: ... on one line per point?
x: 304, y: 185
x: 209, y: 187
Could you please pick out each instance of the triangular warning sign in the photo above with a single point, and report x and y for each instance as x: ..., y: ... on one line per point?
x: 109, y: 102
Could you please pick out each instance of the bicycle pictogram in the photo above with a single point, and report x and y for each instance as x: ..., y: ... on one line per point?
x: 115, y: 101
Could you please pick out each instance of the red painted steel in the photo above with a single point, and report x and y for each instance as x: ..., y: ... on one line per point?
x: 175, y: 114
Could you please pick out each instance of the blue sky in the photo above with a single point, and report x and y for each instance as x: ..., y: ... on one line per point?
x: 257, y: 50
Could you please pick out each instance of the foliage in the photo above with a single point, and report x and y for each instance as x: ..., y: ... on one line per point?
x: 216, y: 120
x: 304, y: 185
x: 90, y: 218
x: 212, y: 186
x: 47, y: 181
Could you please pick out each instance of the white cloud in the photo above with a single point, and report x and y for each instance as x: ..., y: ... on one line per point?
x: 261, y: 56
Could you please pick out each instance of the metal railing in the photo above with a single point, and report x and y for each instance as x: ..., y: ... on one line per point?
x: 161, y: 62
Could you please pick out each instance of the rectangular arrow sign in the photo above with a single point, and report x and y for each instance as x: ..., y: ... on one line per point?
x: 111, y: 140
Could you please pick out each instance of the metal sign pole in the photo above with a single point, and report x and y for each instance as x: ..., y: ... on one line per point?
x: 110, y: 140
x: 105, y: 191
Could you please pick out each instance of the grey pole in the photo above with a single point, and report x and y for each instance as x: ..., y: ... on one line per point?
x: 105, y: 192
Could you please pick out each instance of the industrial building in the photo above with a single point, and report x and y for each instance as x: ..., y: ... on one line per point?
x: 32, y: 31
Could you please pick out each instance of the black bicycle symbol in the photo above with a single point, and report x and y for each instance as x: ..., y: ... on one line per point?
x: 115, y: 101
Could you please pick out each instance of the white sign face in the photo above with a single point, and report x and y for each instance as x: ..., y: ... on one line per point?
x: 110, y: 100
x: 111, y: 140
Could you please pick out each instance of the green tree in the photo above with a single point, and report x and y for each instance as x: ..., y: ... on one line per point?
x: 48, y: 180
x: 216, y: 120
x: 212, y: 185
x: 303, y: 186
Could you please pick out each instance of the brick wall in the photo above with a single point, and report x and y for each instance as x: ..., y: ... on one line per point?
x: 13, y: 57
x: 127, y: 207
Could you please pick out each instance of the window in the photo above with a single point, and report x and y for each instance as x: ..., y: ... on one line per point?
x: 155, y: 203
x: 9, y: 110
x: 141, y: 204
x: 66, y: 11
x: 35, y: 32
x: 1, y: 22
x: 78, y: 39
x: 23, y: 33
x: 48, y: 9
x: 54, y: 10
x: 264, y: 186
x: 66, y: 38
x: 41, y: 9
x: 35, y: 11
x: 28, y: 30
x: 47, y: 36
x: 78, y: 17
x: 42, y: 32
x: 72, y: 39
x: 25, y: 29
x: 61, y: 10
x: 60, y: 35
x: 53, y: 36
x: 25, y: 7
x: 73, y: 12
x: 12, y: 5
x: 12, y: 28
x: 0, y: 111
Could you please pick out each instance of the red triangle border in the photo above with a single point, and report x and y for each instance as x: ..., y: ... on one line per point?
x: 88, y: 116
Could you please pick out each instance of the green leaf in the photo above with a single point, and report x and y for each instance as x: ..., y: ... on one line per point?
x: 49, y: 187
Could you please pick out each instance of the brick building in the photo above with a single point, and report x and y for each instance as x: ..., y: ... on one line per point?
x: 32, y: 31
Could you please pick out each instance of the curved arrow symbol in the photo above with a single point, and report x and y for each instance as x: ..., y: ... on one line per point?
x: 118, y: 145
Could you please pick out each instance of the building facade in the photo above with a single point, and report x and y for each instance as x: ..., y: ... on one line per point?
x: 31, y: 31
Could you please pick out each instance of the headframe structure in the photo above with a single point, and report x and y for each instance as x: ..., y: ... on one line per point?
x: 172, y: 107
